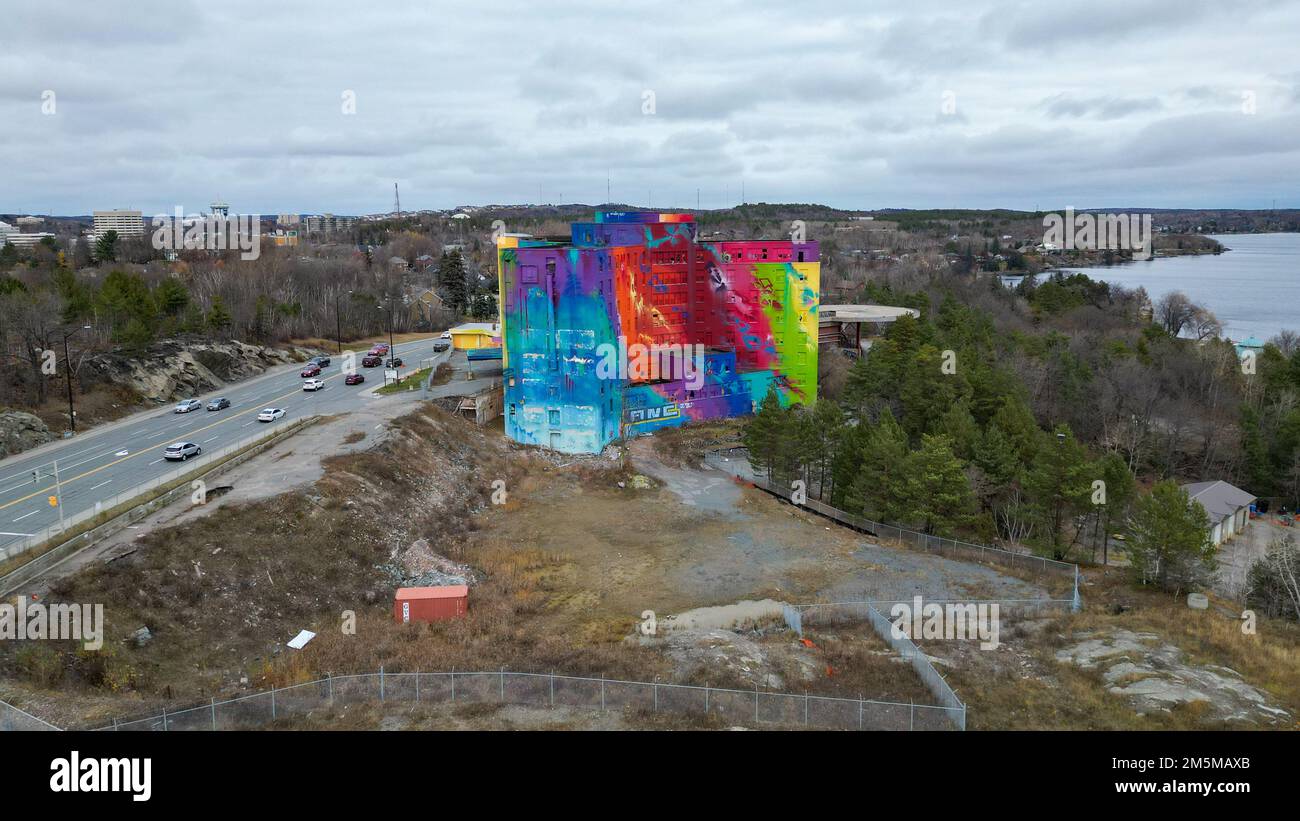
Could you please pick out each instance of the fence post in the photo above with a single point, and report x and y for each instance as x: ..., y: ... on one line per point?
x: 417, y: 685
x: 164, y: 719
x: 706, y: 698
x: 859, y: 711
x: 805, y: 708
x: 381, y: 682
x: 214, y: 713
x: 656, y: 694
x: 330, y: 678
x: 503, y: 683
x: 1075, y: 604
x: 453, y: 685
x: 602, y: 694
x: 273, y: 702
x: 756, y: 702
x: 911, y: 718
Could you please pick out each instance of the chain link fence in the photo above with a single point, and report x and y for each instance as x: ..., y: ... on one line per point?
x: 109, y: 503
x: 12, y: 718
x: 734, y: 461
x: 754, y: 708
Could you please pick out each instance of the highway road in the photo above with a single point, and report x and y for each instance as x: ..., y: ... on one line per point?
x: 103, y: 462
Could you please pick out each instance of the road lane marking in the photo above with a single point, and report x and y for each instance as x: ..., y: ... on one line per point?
x: 210, y: 438
x: 93, y: 471
x: 155, y: 461
x: 25, y: 515
x: 101, y: 484
x: 11, y: 533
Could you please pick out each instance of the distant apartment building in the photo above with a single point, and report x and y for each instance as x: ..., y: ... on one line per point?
x: 125, y: 223
x: 328, y: 223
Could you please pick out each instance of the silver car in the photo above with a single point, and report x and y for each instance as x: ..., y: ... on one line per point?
x: 187, y: 405
x: 181, y: 451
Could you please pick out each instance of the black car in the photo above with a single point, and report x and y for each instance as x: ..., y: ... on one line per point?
x: 219, y: 403
x: 322, y: 361
x: 441, y: 345
x: 395, y: 362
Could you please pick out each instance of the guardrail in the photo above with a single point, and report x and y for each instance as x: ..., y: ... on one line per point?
x: 134, y: 504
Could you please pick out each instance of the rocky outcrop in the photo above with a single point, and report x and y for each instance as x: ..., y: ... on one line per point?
x: 20, y: 431
x: 172, y: 370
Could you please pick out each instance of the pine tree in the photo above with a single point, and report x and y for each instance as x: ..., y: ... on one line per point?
x: 451, y: 278
x: 959, y: 426
x: 762, y: 434
x: 1059, y: 485
x: 1169, y: 539
x: 934, y: 491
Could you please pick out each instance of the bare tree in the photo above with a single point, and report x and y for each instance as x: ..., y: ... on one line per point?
x: 1174, y: 311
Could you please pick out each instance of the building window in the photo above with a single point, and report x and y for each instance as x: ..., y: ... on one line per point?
x: 554, y: 417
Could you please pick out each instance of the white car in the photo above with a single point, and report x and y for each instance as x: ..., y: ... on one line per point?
x: 270, y: 414
x: 445, y: 335
x: 313, y: 384
x: 187, y: 405
x: 182, y: 451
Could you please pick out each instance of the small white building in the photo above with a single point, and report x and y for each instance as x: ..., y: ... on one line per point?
x: 1227, y: 505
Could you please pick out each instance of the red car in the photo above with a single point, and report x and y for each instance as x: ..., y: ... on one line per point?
x: 373, y: 361
x: 379, y: 350
x: 310, y: 370
x: 353, y: 379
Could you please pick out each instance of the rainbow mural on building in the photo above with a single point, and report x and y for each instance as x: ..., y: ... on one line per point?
x: 629, y: 280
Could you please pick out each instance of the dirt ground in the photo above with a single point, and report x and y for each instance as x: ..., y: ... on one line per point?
x: 565, y: 564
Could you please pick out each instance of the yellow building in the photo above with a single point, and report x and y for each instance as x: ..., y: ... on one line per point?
x: 475, y: 335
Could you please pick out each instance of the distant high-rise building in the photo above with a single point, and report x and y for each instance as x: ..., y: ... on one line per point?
x: 125, y: 223
x: 328, y: 223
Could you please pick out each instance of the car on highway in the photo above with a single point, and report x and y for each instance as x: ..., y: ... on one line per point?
x: 380, y: 349
x: 187, y: 405
x: 310, y: 370
x: 181, y: 451
x: 441, y: 345
x: 354, y: 379
x: 445, y: 335
x: 270, y: 414
x: 218, y: 403
x: 313, y: 384
x: 372, y: 361
x: 395, y: 362
x: 322, y: 361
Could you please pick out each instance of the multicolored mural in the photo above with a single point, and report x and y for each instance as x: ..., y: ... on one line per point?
x: 723, y: 324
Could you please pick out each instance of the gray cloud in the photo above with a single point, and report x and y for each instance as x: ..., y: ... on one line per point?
x: 943, y: 103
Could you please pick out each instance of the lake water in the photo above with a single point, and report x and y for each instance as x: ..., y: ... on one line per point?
x: 1254, y: 289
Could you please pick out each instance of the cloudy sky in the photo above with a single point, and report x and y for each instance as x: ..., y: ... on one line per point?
x: 322, y: 106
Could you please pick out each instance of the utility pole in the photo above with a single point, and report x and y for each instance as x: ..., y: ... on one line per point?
x: 67, y: 368
x: 397, y: 202
x: 58, y: 490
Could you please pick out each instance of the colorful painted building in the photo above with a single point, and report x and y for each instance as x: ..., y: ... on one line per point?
x: 724, y: 324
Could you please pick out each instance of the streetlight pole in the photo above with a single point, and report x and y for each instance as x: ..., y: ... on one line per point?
x: 338, y: 322
x: 67, y: 367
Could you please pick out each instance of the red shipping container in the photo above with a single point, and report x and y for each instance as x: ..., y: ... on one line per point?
x: 430, y: 603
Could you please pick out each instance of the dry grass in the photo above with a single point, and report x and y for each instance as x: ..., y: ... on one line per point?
x: 1042, y: 693
x: 687, y: 444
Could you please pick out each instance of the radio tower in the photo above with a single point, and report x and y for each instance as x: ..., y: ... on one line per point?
x: 397, y: 202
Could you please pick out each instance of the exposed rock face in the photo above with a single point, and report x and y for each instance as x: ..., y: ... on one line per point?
x: 1156, y: 676
x: 173, y: 370
x: 20, y: 431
